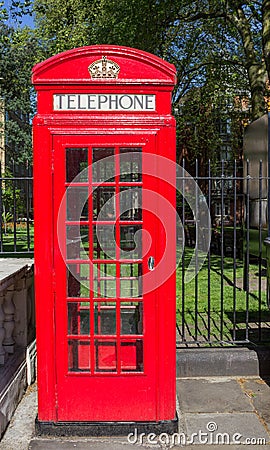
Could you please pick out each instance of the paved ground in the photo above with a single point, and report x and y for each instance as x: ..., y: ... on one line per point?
x: 211, y: 410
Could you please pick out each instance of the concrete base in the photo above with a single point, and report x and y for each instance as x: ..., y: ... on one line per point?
x: 105, y: 428
x: 211, y: 362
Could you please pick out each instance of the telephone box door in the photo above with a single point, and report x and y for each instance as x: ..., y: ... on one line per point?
x: 105, y: 311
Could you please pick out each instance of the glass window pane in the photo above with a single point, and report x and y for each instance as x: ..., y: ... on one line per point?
x: 105, y: 356
x: 132, y: 318
x: 104, y: 242
x: 104, y: 280
x: 105, y: 317
x: 76, y: 165
x: 131, y: 164
x: 131, y: 280
x: 131, y: 355
x: 104, y: 203
x: 130, y: 241
x: 103, y: 164
x: 78, y: 355
x: 79, y: 318
x: 78, y: 280
x: 130, y: 203
x: 77, y: 241
x: 77, y: 203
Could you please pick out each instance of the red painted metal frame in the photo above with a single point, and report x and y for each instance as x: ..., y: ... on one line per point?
x: 68, y: 73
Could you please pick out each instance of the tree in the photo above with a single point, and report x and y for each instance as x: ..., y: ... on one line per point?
x: 141, y: 24
x: 134, y: 23
x: 241, y: 32
x: 17, y: 49
x: 206, y: 40
x: 193, y: 34
x: 234, y: 34
x: 221, y: 47
x: 62, y: 25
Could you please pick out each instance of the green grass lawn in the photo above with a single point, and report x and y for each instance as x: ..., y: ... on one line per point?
x: 192, y: 312
x: 21, y: 239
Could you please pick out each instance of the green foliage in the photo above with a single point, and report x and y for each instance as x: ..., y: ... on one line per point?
x: 65, y: 25
x: 11, y: 194
x: 3, y: 12
x: 18, y: 49
x: 218, y: 50
x: 208, y: 122
x: 6, y: 218
x: 221, y: 50
x: 140, y: 24
x: 229, y: 36
x: 215, y: 46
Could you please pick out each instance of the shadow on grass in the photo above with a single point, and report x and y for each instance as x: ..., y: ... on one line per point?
x: 216, y: 307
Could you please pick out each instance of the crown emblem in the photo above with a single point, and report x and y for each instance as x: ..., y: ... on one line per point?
x: 104, y: 68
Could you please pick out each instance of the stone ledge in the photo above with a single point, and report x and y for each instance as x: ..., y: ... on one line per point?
x: 217, y: 362
x: 12, y: 392
x: 12, y: 270
x: 14, y: 378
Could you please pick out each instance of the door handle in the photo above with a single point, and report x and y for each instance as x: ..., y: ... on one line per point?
x: 151, y: 263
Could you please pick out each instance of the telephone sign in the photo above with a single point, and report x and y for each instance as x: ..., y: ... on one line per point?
x: 104, y: 147
x: 104, y: 102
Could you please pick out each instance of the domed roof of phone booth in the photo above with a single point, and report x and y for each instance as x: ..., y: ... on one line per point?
x: 135, y: 67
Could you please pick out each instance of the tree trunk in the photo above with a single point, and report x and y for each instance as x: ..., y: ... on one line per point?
x: 256, y: 69
x: 257, y: 79
x: 266, y: 34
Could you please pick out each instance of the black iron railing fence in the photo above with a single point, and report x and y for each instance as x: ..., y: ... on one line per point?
x: 226, y: 301
x: 16, y: 216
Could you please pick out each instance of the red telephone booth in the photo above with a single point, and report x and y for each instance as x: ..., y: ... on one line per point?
x: 104, y: 147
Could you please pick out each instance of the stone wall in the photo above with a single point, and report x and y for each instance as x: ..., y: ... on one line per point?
x: 17, y: 335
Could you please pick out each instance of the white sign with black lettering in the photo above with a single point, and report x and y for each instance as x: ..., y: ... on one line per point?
x: 104, y: 102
